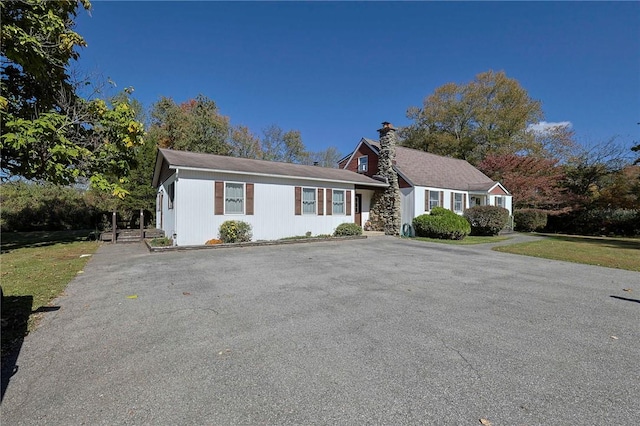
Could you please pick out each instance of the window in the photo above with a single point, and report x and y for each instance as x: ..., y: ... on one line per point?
x: 363, y: 164
x: 233, y: 198
x: 434, y: 199
x: 457, y: 202
x: 308, y: 201
x: 500, y: 202
x: 171, y: 192
x: 338, y: 202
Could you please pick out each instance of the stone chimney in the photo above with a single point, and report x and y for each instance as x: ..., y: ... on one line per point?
x: 389, y: 203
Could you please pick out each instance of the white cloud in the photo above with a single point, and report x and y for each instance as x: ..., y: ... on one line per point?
x: 544, y: 127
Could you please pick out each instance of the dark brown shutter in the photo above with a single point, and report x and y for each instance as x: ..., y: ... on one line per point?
x: 219, y: 198
x: 441, y: 198
x: 464, y: 202
x: 320, y: 201
x: 427, y: 198
x: 348, y: 210
x: 453, y: 200
x: 298, y: 207
x: 329, y: 202
x: 249, y: 206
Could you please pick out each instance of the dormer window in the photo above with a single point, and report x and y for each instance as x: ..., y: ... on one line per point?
x: 363, y: 164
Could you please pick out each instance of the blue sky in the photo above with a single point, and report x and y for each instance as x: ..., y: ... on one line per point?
x: 336, y: 70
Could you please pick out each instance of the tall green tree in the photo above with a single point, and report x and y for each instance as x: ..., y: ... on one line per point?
x: 138, y: 183
x: 195, y: 125
x: 487, y: 116
x: 593, y: 168
x: 245, y: 144
x: 278, y: 145
x: 49, y: 132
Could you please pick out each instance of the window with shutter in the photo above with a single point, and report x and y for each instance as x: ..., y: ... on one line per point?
x: 233, y: 198
x: 218, y: 199
x: 249, y: 206
x: 308, y: 201
x: 298, y: 200
x: 458, y: 203
x: 320, y: 201
x: 432, y: 199
x: 338, y: 201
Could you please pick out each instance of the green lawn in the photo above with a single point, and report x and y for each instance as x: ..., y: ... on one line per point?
x: 35, y: 268
x: 620, y: 253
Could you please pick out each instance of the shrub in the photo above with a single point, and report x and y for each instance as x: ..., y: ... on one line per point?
x: 441, y: 223
x: 213, y: 242
x: 161, y: 242
x: 529, y: 220
x: 346, y: 229
x: 486, y: 220
x: 623, y: 222
x: 235, y: 231
x: 29, y: 206
x: 620, y: 222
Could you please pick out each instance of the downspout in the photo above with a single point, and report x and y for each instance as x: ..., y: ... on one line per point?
x: 175, y: 210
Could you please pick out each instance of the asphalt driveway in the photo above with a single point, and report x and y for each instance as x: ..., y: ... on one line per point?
x: 376, y: 331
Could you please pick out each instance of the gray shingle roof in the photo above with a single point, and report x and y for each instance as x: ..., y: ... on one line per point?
x: 249, y: 166
x: 426, y: 169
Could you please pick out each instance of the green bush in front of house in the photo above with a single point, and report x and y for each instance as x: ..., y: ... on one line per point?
x: 235, y: 231
x: 442, y: 224
x: 529, y: 220
x: 486, y: 220
x: 347, y: 229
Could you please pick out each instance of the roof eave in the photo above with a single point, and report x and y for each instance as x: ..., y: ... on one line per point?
x: 157, y: 169
x: 315, y: 179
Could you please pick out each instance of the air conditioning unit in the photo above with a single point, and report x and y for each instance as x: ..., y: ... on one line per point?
x: 362, y: 168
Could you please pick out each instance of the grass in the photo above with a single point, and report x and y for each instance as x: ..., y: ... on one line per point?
x: 619, y: 253
x: 161, y: 242
x: 36, y: 268
x: 304, y: 237
x: 16, y: 240
x: 468, y: 240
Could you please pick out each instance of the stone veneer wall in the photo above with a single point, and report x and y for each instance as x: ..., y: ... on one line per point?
x: 375, y: 219
x: 385, y: 209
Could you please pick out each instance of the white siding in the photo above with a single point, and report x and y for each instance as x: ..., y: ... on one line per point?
x: 365, y: 208
x: 508, y: 202
x: 420, y: 193
x: 274, y: 208
x: 407, y: 205
x: 168, y: 215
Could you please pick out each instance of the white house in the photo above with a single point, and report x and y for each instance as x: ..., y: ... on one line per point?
x: 198, y: 192
x: 427, y: 180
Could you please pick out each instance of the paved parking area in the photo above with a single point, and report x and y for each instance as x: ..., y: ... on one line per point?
x: 376, y: 331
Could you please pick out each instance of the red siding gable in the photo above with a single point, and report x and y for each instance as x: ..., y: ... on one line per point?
x: 363, y: 150
x: 498, y: 191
